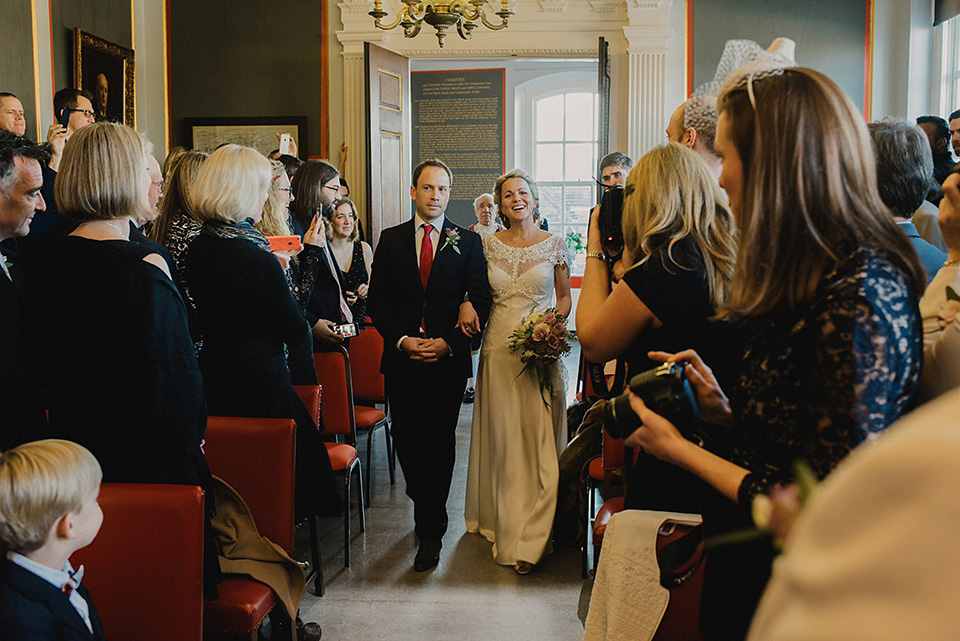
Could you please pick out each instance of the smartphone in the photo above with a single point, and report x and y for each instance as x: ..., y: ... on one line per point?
x: 346, y: 330
x: 285, y: 144
x: 285, y: 243
x: 64, y: 117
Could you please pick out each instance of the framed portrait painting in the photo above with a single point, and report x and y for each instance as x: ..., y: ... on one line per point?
x: 106, y: 70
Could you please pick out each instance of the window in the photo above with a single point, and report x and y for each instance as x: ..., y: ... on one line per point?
x: 949, y: 66
x: 557, y: 123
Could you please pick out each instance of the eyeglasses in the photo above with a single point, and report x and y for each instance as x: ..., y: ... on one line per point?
x: 85, y: 112
x: 331, y: 187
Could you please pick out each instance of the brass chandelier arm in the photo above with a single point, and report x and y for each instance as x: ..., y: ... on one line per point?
x: 440, y: 14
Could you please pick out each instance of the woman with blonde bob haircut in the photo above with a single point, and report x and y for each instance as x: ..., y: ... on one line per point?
x: 830, y: 286
x: 114, y: 353
x: 248, y: 316
x: 680, y: 243
x: 231, y: 185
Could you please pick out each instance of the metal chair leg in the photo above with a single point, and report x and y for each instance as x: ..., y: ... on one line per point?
x: 319, y: 587
x: 391, y: 463
x: 363, y: 520
x: 369, y: 488
x: 346, y: 519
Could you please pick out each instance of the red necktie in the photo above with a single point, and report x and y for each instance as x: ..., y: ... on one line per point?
x: 426, y: 255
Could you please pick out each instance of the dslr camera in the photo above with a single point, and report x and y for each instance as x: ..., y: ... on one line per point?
x: 610, y: 221
x: 665, y: 390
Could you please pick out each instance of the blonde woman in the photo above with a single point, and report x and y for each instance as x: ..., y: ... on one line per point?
x: 517, y: 428
x: 115, y: 357
x: 247, y: 314
x: 680, y: 234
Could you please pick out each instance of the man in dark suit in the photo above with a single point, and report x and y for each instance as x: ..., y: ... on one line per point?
x: 422, y: 270
x: 21, y: 179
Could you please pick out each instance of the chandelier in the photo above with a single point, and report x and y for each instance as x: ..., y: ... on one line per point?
x: 441, y: 15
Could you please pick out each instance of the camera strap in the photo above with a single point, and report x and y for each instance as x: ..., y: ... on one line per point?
x: 599, y: 380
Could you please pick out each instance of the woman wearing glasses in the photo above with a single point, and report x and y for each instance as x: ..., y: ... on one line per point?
x: 323, y: 291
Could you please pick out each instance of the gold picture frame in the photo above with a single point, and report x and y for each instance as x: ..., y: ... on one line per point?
x: 107, y: 71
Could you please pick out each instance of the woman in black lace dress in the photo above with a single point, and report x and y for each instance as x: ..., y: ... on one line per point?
x: 353, y: 255
x: 829, y: 284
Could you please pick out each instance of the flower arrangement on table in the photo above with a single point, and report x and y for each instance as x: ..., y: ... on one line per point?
x: 540, y: 341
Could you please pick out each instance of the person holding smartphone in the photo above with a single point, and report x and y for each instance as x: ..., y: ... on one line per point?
x: 323, y: 291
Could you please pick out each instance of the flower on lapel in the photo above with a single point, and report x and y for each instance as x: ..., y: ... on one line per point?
x: 453, y: 237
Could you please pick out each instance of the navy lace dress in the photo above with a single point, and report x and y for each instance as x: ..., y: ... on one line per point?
x: 813, y: 383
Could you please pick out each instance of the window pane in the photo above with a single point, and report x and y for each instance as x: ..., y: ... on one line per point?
x: 580, y: 120
x: 549, y: 162
x: 579, y: 201
x: 551, y: 203
x: 579, y: 162
x: 550, y: 118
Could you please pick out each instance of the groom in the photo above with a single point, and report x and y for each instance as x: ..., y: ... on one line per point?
x: 421, y: 271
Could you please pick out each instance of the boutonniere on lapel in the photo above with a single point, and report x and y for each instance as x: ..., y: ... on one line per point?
x: 453, y: 237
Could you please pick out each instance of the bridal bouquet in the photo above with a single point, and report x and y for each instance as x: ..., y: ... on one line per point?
x: 540, y: 340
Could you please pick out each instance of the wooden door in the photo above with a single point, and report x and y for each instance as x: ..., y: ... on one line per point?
x: 388, y: 127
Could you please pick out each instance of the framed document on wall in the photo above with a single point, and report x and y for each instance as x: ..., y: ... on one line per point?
x: 106, y: 70
x: 206, y: 134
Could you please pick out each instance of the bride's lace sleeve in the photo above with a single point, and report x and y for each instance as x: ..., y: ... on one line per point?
x: 560, y: 254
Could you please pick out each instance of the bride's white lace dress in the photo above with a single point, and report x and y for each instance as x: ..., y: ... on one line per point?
x: 513, y: 474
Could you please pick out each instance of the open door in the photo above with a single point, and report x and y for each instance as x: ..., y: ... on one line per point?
x: 603, y: 103
x: 388, y: 99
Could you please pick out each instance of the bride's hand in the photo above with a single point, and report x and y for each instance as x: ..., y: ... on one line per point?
x: 468, y: 321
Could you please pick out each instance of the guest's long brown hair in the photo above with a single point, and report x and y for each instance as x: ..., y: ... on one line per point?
x: 809, y: 191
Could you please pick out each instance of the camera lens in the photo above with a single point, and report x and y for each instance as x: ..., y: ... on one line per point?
x: 619, y: 419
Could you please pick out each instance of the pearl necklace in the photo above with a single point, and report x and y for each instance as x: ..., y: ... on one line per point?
x: 108, y: 224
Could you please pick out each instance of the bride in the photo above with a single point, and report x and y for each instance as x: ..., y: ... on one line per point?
x: 517, y: 433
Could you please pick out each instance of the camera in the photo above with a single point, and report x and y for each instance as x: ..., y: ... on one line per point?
x: 610, y: 221
x: 665, y: 390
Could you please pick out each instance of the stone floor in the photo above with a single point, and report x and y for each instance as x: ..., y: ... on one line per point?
x: 467, y: 597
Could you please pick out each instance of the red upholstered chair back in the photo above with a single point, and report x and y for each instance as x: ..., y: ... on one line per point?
x: 613, y: 453
x: 310, y: 396
x: 333, y: 373
x: 366, y: 349
x: 145, y: 568
x: 236, y: 447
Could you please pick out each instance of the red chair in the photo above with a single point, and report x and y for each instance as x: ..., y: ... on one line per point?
x: 333, y: 372
x: 145, y: 568
x: 257, y: 457
x: 366, y: 349
x: 601, y: 471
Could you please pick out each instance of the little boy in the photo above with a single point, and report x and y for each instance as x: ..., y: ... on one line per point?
x: 48, y: 510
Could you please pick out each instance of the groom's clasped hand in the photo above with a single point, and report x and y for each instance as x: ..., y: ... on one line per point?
x: 427, y: 350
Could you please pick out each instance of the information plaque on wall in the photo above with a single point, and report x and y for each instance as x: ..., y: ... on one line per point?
x: 458, y: 117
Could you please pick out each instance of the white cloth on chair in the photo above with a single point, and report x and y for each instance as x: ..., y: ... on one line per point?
x: 628, y: 601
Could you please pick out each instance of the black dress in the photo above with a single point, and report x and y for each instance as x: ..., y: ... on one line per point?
x: 353, y: 279
x: 813, y: 383
x: 116, y: 363
x: 674, y: 288
x: 246, y: 314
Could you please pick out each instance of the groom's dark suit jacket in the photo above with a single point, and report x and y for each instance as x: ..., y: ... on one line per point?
x: 31, y: 608
x: 397, y: 300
